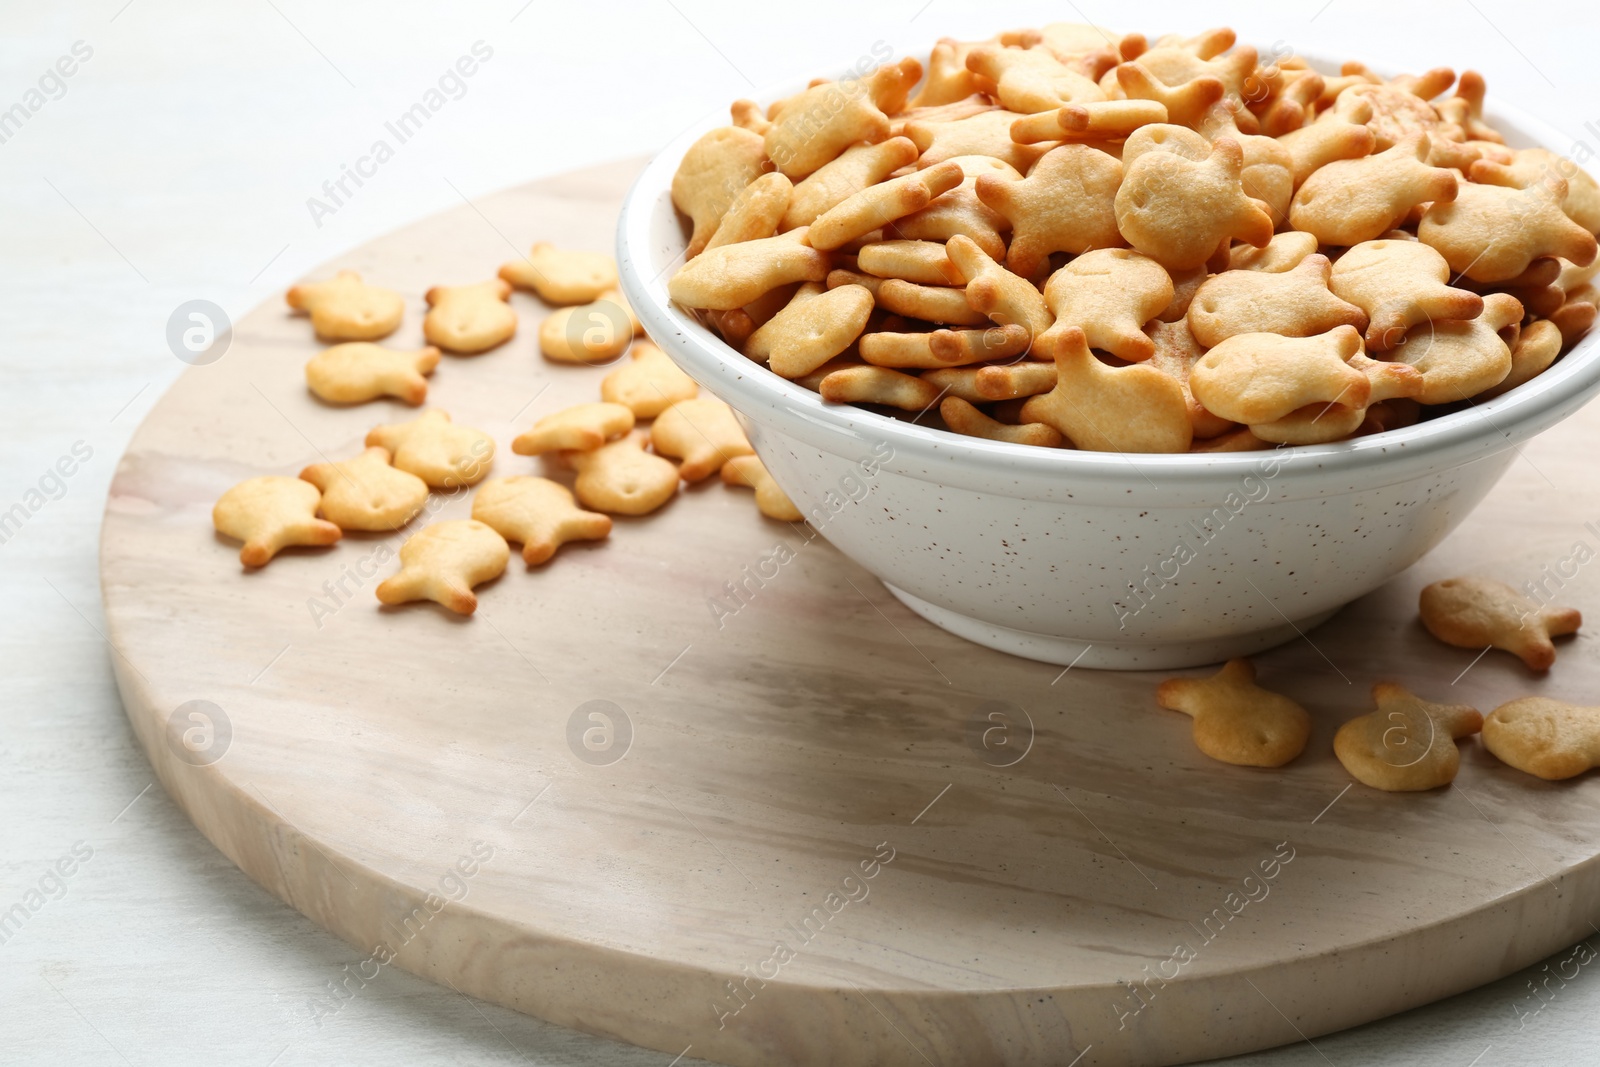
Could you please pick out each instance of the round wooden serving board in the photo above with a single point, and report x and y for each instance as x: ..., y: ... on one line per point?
x: 810, y: 850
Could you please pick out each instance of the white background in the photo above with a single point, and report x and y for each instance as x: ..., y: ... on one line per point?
x: 177, y: 165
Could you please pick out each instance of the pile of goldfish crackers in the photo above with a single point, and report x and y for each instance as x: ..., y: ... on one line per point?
x: 391, y: 483
x: 1068, y: 237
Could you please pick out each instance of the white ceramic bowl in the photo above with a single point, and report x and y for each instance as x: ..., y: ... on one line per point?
x: 1098, y: 558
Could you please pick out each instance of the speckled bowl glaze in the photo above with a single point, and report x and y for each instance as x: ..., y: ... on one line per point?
x: 1100, y: 559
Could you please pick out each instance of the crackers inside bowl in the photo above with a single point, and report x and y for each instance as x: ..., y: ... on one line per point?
x: 1149, y: 350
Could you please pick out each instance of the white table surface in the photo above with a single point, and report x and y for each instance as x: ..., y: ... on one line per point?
x: 177, y: 164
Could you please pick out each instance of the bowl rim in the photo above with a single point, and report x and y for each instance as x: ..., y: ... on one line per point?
x: 1496, y: 424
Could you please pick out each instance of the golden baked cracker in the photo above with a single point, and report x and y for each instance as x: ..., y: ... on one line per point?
x: 1176, y: 65
x: 960, y: 211
x: 366, y: 492
x: 1185, y: 103
x: 1065, y: 204
x: 1093, y: 121
x: 1294, y: 103
x: 996, y: 292
x: 1110, y: 294
x: 1292, y: 303
x: 816, y: 325
x: 1070, y: 42
x: 737, y: 324
x: 1351, y: 72
x: 1549, y: 739
x: 442, y: 563
x: 985, y: 134
x: 1029, y: 80
x: 649, y: 384
x: 813, y: 381
x: 358, y: 371
x: 562, y: 275
x: 1322, y: 422
x: 1460, y: 359
x: 1353, y: 200
x: 1491, y: 233
x: 1235, y: 720
x: 943, y: 348
x: 538, y: 513
x: 469, y: 319
x: 732, y: 276
x: 1185, y: 283
x: 878, y: 385
x: 1284, y: 252
x: 582, y: 428
x: 1268, y: 172
x: 1178, y: 211
x: 873, y: 207
x: 345, y: 308
x: 1240, y: 440
x: 1574, y: 317
x: 1258, y: 377
x: 1110, y: 409
x: 749, y: 115
x: 814, y: 126
x: 621, y: 478
x: 444, y: 455
x: 922, y: 262
x: 1399, y: 107
x: 931, y: 303
x: 1399, y: 284
x: 715, y: 169
x: 1465, y: 109
x: 269, y: 514
x: 1166, y: 137
x: 702, y: 433
x: 771, y: 500
x: 955, y: 111
x: 1176, y: 353
x: 963, y: 418
x: 1479, y: 613
x: 1333, y: 136
x: 756, y: 212
x: 1408, y: 744
x: 948, y: 80
x: 958, y: 381
x: 596, y: 332
x: 1013, y: 381
x: 858, y: 167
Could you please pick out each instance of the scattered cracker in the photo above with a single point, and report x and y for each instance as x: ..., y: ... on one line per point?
x: 442, y: 563
x: 1408, y: 744
x: 1479, y: 613
x: 345, y: 308
x: 444, y: 455
x: 538, y: 513
x: 358, y: 371
x: 1237, y: 721
x: 270, y: 514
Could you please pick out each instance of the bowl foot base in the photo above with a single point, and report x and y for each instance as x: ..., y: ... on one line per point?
x: 1118, y: 656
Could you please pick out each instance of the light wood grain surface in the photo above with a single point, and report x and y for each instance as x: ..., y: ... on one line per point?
x: 178, y: 165
x: 798, y: 774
